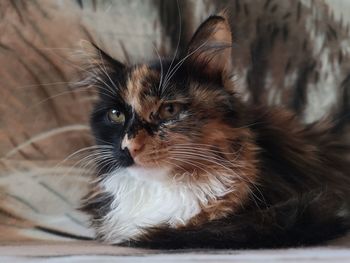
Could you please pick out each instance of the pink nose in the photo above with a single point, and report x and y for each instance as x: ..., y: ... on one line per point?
x: 136, y: 144
x: 135, y: 148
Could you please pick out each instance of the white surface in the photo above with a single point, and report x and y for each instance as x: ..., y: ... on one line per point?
x: 290, y: 255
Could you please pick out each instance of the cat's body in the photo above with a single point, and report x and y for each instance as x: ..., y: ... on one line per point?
x: 187, y: 163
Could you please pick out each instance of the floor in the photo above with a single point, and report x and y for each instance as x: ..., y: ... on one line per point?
x: 338, y: 251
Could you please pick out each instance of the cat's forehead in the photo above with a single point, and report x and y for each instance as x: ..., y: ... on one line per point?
x: 141, y: 91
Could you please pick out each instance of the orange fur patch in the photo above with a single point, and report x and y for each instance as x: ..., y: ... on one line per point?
x: 136, y: 86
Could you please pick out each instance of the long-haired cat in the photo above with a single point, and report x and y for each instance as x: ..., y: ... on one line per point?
x: 188, y: 164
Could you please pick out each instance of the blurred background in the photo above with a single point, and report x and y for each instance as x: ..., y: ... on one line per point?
x: 290, y: 53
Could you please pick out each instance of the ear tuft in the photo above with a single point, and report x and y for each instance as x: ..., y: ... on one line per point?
x: 211, y: 46
x: 101, y: 70
x: 97, y: 58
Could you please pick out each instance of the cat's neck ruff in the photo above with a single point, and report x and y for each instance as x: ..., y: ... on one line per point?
x: 145, y: 198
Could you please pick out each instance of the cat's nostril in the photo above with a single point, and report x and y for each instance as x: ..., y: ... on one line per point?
x: 134, y: 145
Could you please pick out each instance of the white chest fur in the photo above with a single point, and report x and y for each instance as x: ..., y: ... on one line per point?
x: 140, y: 202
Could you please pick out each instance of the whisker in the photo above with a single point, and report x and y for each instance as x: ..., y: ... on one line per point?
x: 177, y: 46
x: 54, y: 97
x: 105, y: 71
x: 98, y: 147
x: 180, y: 159
x: 179, y: 64
x: 201, y: 147
x: 178, y: 166
x: 161, y: 69
x: 204, y: 156
x: 58, y: 83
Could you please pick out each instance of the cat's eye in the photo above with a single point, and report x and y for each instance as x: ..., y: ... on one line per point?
x: 116, y: 116
x: 169, y: 110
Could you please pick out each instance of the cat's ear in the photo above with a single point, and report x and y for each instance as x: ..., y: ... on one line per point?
x: 99, y: 59
x: 211, y: 46
x: 100, y: 69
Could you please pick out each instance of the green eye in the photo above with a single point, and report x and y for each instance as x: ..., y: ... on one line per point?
x: 116, y: 116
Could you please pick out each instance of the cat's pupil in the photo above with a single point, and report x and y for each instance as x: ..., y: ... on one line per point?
x: 170, y: 108
x: 116, y: 116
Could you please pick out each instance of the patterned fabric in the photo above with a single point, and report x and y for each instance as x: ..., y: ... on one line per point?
x: 291, y: 53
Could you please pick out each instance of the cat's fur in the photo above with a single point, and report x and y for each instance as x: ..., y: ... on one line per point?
x: 220, y: 173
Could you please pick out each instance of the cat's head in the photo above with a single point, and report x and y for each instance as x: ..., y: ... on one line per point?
x: 179, y: 114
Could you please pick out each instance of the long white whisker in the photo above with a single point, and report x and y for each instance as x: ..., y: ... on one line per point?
x: 205, y: 156
x: 88, y: 160
x: 174, y: 164
x: 177, y: 46
x: 187, y: 161
x: 59, y: 83
x: 112, y: 91
x: 94, y: 147
x: 56, y: 96
x: 105, y: 71
x: 179, y: 64
x: 194, y: 157
x: 200, y: 147
x: 161, y: 69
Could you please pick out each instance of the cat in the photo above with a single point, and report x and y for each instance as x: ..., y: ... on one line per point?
x: 186, y: 162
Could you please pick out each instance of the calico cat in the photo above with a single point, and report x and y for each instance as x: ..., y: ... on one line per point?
x: 185, y: 162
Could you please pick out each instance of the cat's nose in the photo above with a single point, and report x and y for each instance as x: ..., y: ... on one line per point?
x: 135, y: 149
x: 134, y: 146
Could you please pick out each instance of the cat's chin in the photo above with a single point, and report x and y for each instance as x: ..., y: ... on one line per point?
x: 149, y: 173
